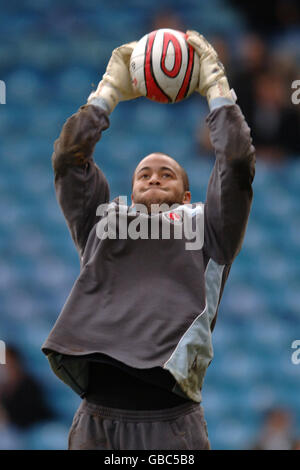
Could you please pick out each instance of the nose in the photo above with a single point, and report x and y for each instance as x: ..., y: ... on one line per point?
x: 154, y: 179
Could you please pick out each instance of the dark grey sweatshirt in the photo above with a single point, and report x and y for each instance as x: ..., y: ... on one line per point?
x: 147, y: 303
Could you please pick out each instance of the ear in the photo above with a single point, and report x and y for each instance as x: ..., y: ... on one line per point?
x: 187, y: 197
x: 132, y: 203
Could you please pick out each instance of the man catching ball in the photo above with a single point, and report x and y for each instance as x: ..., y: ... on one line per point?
x: 134, y: 338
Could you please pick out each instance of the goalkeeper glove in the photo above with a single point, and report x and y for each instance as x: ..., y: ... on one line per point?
x: 116, y: 84
x: 213, y: 82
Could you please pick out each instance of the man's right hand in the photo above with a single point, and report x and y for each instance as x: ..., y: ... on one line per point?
x: 116, y: 83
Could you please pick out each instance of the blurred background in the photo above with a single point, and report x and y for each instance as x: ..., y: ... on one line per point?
x: 52, y: 54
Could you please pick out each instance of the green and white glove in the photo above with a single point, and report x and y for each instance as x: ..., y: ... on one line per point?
x: 116, y: 84
x: 213, y: 82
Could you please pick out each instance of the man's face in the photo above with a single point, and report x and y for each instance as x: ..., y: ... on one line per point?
x: 157, y: 180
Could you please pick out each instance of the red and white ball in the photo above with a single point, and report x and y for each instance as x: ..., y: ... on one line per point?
x: 164, y: 67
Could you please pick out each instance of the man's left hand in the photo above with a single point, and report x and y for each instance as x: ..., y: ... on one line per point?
x: 213, y: 82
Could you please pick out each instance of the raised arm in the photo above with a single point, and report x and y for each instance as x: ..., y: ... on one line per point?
x: 229, y: 193
x: 80, y: 185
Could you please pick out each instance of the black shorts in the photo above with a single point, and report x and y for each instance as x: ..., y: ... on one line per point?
x: 95, y: 427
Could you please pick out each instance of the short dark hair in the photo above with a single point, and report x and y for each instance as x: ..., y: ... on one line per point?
x: 185, y: 178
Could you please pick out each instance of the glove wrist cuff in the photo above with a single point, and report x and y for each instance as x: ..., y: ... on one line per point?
x: 106, y: 95
x: 220, y: 89
x: 98, y: 101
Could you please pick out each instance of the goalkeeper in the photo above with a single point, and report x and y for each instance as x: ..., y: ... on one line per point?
x: 134, y: 338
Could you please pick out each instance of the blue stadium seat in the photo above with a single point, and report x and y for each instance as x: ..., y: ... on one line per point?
x: 11, y: 438
x: 47, y: 436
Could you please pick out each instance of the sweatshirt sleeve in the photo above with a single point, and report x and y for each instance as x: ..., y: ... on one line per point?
x: 229, y: 194
x: 80, y: 185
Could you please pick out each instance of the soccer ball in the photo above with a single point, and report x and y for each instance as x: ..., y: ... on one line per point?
x: 164, y: 67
